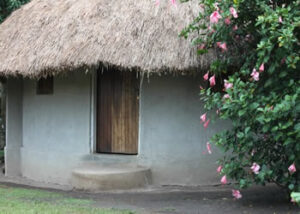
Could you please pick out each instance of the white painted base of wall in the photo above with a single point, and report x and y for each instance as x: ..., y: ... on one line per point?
x: 48, y: 167
x: 12, y: 161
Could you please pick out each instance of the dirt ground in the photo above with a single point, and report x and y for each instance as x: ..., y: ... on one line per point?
x: 208, y: 200
x: 189, y: 200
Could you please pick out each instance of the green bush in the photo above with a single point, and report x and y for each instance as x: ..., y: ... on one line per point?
x: 7, y: 6
x: 255, y: 83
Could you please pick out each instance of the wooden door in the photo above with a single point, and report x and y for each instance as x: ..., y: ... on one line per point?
x: 118, y: 112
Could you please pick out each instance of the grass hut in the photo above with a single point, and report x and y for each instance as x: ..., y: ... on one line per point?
x: 103, y: 94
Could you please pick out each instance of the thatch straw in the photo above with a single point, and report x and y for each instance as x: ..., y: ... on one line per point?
x: 50, y: 36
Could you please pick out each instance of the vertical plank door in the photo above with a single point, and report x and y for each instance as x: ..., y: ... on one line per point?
x: 118, y: 112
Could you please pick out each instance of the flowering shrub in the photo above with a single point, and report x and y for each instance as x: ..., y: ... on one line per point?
x: 255, y: 83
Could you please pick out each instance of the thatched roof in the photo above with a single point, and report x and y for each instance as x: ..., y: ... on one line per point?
x: 59, y: 35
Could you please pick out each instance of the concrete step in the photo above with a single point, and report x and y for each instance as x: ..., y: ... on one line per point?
x: 93, y: 177
x: 109, y: 159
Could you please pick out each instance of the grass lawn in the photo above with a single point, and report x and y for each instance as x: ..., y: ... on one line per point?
x: 25, y: 201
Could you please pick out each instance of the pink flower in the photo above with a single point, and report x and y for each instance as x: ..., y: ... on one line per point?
x: 224, y: 180
x: 227, y: 21
x: 173, y: 2
x: 222, y: 46
x: 255, y: 75
x: 262, y: 67
x: 203, y: 117
x: 208, y: 147
x: 233, y: 12
x: 212, y: 81
x: 157, y: 2
x: 205, y: 77
x: 255, y: 168
x: 236, y: 194
x: 219, y: 169
x: 201, y: 47
x: 280, y: 19
x: 205, y: 125
x: 214, y: 17
x: 235, y: 27
x: 292, y: 169
x: 227, y: 84
x: 226, y: 96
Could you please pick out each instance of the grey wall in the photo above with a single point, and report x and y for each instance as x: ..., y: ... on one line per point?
x: 56, y: 131
x: 172, y: 140
x: 56, y: 128
x: 14, y: 132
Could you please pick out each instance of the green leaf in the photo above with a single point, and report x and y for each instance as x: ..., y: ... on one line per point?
x: 241, y: 112
x: 202, y: 51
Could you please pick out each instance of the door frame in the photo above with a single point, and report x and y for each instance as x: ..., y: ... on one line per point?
x: 93, y: 114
